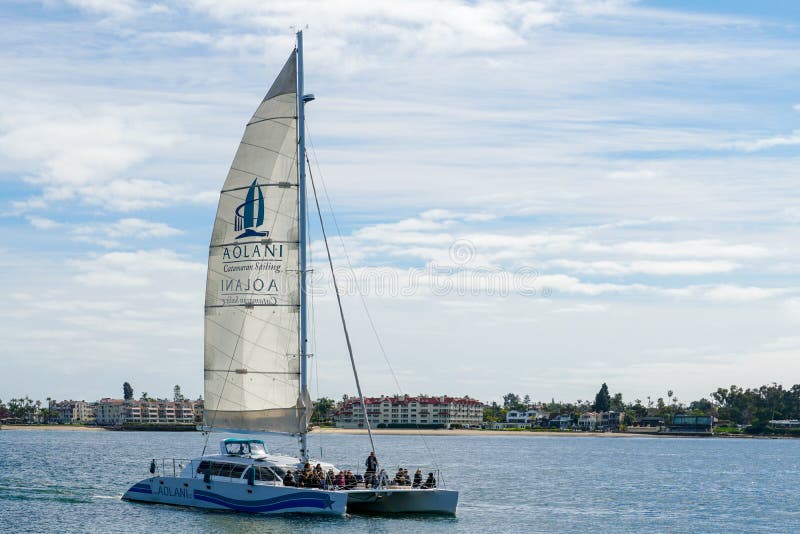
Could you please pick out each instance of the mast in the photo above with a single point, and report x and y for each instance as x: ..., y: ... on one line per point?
x: 301, y: 176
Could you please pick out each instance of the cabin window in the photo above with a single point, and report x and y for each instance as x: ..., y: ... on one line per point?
x: 219, y: 469
x: 265, y: 474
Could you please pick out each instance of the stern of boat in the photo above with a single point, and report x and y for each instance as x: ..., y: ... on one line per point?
x: 403, y: 501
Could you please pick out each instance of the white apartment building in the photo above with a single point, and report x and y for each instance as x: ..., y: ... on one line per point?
x: 409, y: 412
x: 71, y: 411
x: 112, y: 412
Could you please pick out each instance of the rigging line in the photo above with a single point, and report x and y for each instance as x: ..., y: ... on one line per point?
x: 341, y: 310
x: 314, y: 339
x: 361, y: 294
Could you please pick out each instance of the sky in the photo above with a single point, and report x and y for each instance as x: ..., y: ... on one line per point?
x: 533, y: 196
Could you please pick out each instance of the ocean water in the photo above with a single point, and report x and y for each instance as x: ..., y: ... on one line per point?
x: 61, y: 481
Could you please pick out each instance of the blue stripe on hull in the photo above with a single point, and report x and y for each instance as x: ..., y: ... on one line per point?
x: 138, y: 488
x: 304, y: 499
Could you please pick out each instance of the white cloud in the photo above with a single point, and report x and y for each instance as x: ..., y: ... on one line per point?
x: 43, y: 223
x: 727, y: 292
x: 108, y: 234
x: 80, y: 153
x: 120, y: 9
x: 769, y: 142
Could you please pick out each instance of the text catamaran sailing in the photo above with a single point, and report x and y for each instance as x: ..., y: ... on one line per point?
x: 255, y: 337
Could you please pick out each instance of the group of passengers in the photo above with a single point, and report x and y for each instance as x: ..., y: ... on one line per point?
x: 318, y: 478
x: 401, y: 478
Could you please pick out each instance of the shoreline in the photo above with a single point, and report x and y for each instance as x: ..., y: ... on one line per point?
x: 476, y: 432
x: 431, y: 432
x: 68, y: 428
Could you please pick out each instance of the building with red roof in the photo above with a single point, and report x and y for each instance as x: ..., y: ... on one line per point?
x: 403, y: 411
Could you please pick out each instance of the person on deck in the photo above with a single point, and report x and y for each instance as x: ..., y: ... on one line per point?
x: 430, y: 482
x: 372, y: 465
x: 339, y: 481
x: 329, y: 479
x: 417, y: 478
x: 288, y: 479
x: 382, y: 480
x: 350, y: 481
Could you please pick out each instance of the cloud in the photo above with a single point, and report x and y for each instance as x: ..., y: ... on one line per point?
x: 727, y: 292
x: 120, y: 9
x: 43, y: 223
x: 81, y: 153
x: 142, y: 268
x: 769, y: 142
x: 108, y: 234
x: 658, y: 268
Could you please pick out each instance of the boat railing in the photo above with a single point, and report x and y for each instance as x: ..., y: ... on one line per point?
x: 173, y: 467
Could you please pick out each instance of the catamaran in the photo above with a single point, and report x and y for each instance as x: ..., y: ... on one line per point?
x: 256, y: 325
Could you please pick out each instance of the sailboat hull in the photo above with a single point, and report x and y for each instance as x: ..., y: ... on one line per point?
x: 403, y: 501
x: 236, y: 496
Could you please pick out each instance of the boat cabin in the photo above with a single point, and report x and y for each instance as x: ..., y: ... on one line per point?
x: 245, y: 448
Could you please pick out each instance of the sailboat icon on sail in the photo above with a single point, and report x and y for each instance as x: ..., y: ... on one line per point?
x: 250, y: 213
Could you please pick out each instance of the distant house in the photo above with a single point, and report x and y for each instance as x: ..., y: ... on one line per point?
x: 610, y: 420
x: 525, y: 418
x: 784, y: 423
x: 650, y: 421
x: 561, y: 422
x: 691, y: 424
x: 600, y: 420
x: 588, y: 421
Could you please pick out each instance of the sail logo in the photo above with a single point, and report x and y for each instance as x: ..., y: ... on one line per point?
x: 249, y: 215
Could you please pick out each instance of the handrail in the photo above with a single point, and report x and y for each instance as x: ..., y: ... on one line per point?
x: 163, y: 466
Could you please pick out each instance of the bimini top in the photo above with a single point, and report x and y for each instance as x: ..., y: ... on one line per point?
x: 248, y: 448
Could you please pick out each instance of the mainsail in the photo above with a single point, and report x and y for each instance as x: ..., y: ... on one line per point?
x: 252, y: 308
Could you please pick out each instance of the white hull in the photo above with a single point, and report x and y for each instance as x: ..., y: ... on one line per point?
x: 403, y: 501
x: 235, y: 496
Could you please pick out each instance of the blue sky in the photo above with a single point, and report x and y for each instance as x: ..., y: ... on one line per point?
x: 540, y: 196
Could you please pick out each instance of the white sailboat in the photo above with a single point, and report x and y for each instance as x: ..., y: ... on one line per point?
x: 255, y: 338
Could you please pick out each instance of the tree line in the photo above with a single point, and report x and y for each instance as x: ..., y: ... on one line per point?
x: 751, y: 407
x: 33, y: 411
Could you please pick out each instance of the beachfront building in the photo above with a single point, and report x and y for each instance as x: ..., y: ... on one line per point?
x: 70, y: 411
x: 691, y: 424
x: 525, y: 417
x: 115, y: 412
x: 402, y: 411
x: 588, y: 421
x: 560, y: 421
x: 610, y: 420
x: 110, y: 412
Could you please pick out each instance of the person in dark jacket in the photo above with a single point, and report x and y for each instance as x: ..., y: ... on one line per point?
x: 372, y: 465
x: 417, y: 479
x: 430, y: 482
x: 288, y: 479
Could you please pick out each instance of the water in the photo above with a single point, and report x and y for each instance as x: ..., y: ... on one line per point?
x: 72, y: 482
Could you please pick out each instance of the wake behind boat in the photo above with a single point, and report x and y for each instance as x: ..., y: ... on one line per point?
x: 256, y: 321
